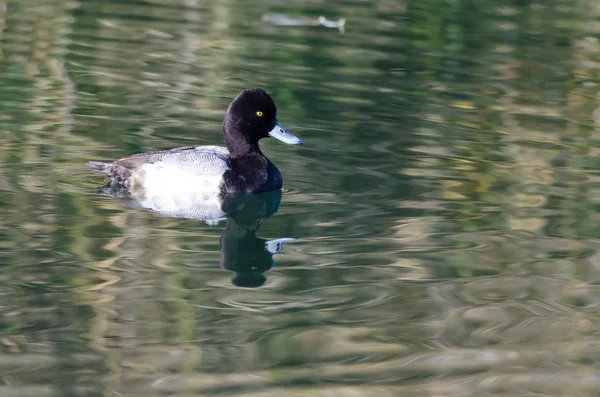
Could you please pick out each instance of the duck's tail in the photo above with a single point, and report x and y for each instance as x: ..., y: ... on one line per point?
x: 98, y: 167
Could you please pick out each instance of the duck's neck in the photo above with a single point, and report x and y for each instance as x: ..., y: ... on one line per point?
x: 238, y: 143
x: 242, y: 148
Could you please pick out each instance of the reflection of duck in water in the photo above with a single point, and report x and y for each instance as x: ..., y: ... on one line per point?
x: 242, y: 252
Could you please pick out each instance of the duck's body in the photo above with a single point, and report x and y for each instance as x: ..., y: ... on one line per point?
x: 209, y: 170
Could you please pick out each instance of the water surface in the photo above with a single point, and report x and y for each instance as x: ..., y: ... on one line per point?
x: 445, y: 200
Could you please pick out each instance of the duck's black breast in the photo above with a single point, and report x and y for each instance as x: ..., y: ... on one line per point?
x: 251, y: 174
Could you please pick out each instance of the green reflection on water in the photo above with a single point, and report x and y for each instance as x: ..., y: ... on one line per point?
x: 445, y: 199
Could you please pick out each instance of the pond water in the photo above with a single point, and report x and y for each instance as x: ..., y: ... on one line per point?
x: 442, y: 214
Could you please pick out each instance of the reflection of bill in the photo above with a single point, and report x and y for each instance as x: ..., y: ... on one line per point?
x: 242, y: 252
x: 248, y: 256
x: 275, y: 246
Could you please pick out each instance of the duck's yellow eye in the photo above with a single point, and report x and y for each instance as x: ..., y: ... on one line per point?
x: 259, y: 113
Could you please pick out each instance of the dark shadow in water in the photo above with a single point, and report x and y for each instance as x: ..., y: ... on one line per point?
x: 242, y: 252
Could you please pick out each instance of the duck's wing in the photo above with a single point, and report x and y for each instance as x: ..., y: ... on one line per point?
x: 197, y: 160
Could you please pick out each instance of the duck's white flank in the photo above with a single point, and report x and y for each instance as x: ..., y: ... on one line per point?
x: 160, y: 178
x: 181, y: 180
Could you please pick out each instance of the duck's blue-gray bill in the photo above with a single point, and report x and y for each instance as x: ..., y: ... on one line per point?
x: 278, y: 132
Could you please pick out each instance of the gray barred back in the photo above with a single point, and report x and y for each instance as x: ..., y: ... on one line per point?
x: 201, y: 160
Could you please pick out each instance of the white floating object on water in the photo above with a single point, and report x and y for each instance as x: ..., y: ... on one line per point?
x: 286, y: 20
x: 332, y: 24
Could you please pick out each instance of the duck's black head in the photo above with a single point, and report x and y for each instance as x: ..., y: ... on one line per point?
x: 250, y: 117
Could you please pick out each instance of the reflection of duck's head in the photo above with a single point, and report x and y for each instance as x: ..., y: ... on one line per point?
x: 242, y: 252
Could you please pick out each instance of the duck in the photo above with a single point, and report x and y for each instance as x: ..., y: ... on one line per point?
x: 157, y: 178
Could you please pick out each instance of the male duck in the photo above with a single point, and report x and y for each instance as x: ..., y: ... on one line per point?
x: 239, y: 168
